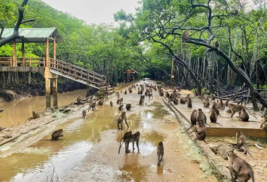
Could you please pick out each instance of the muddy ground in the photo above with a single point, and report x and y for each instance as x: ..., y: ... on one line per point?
x: 182, y: 160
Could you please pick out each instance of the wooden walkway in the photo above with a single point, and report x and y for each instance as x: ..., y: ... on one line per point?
x: 57, y: 67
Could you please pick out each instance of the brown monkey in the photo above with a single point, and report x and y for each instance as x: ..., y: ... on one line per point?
x: 176, y: 101
x: 227, y: 103
x: 206, y: 103
x: 264, y: 122
x: 217, y: 44
x: 241, y: 142
x: 239, y: 169
x: 221, y: 104
x: 150, y: 95
x: 128, y: 107
x: 167, y: 94
x: 142, y: 100
x: 125, y: 92
x: 129, y: 137
x: 118, y: 94
x: 189, y: 104
x: 214, y: 107
x: 101, y: 102
x: 120, y: 120
x: 185, y: 35
x: 56, y: 134
x: 193, y: 119
x: 120, y: 101
x: 200, y: 131
x: 201, y: 117
x: 243, y: 116
x: 160, y: 152
x: 237, y: 108
x: 111, y: 104
x: 92, y: 105
x: 84, y: 113
x: 213, y: 117
x: 183, y: 100
x: 121, y: 107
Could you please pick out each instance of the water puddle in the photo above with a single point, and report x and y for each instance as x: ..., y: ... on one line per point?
x: 46, y: 160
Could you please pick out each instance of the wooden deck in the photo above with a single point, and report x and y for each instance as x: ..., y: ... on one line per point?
x: 57, y: 67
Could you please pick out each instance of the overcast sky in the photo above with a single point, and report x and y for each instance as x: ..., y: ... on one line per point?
x: 94, y: 11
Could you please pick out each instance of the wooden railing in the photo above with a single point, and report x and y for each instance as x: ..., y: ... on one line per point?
x: 77, y: 73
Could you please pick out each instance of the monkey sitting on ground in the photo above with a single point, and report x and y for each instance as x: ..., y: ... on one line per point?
x: 129, y: 137
x: 111, y: 104
x: 201, y: 117
x: 118, y: 94
x: 142, y: 100
x: 84, y: 113
x: 241, y: 142
x: 120, y: 101
x: 193, y: 119
x: 189, y: 104
x: 121, y: 107
x: 120, y: 120
x: 213, y: 117
x: 92, y: 105
x: 200, y: 131
x: 128, y: 107
x: 243, y: 116
x: 237, y: 108
x: 125, y: 92
x: 214, y: 108
x: 239, y: 169
x: 56, y: 134
x: 160, y: 152
x: 264, y: 122
x: 101, y: 102
x: 206, y: 103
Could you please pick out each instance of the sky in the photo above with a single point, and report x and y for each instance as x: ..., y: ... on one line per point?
x: 94, y: 11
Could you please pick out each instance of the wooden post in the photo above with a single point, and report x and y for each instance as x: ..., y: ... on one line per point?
x: 54, y: 53
x: 172, y: 71
x: 47, y: 92
x: 23, y: 52
x: 14, y: 59
x: 47, y: 60
x: 55, y: 98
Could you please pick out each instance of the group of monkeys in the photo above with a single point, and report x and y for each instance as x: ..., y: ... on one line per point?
x: 129, y: 137
x: 239, y: 169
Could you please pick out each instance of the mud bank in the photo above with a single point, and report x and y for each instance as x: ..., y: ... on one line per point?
x: 10, y: 93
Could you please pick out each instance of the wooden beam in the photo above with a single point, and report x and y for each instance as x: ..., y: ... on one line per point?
x: 54, y: 53
x: 14, y: 59
x: 47, y: 60
x: 23, y: 52
x: 231, y: 132
x: 47, y: 93
x: 55, y: 98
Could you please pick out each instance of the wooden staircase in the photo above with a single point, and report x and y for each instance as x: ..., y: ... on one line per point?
x: 77, y: 73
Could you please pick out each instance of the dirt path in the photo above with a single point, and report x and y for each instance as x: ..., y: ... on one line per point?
x: 182, y: 160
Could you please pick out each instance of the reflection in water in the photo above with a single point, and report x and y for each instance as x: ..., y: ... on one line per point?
x: 46, y: 158
x: 159, y: 170
x: 16, y: 112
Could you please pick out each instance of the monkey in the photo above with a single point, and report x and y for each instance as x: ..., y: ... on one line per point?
x: 212, y: 97
x: 167, y: 95
x: 214, y: 107
x: 142, y: 100
x: 101, y: 102
x: 201, y: 117
x: 128, y: 107
x: 185, y: 35
x: 241, y: 142
x: 129, y: 137
x: 189, y: 104
x: 221, y: 104
x: 193, y: 119
x: 183, y: 100
x: 120, y: 120
x: 111, y: 104
x: 239, y: 169
x: 264, y: 122
x: 175, y: 101
x: 118, y: 94
x: 243, y: 116
x: 84, y: 113
x: 213, y: 117
x: 217, y: 44
x: 237, y: 108
x: 150, y: 95
x: 120, y: 101
x: 121, y: 107
x: 200, y: 131
x: 56, y: 134
x: 92, y: 105
x: 235, y: 12
x: 161, y: 93
x: 160, y: 152
x: 206, y: 103
x: 125, y: 92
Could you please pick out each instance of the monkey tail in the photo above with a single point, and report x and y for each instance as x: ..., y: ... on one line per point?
x: 252, y: 175
x: 120, y: 145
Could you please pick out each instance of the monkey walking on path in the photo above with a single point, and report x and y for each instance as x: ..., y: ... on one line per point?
x: 129, y: 137
x: 160, y: 152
